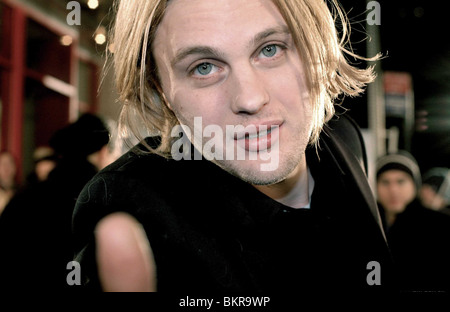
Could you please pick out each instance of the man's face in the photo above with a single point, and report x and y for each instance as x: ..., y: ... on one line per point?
x: 235, y: 63
x: 396, y: 189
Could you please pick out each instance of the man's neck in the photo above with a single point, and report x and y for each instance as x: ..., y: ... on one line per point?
x: 292, y: 191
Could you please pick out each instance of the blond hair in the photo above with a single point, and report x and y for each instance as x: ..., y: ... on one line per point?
x: 313, y: 27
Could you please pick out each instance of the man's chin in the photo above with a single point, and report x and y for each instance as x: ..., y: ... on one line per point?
x: 250, y: 171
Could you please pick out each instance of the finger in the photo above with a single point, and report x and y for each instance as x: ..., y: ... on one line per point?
x: 124, y: 256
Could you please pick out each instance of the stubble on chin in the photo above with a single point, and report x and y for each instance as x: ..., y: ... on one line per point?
x: 250, y: 171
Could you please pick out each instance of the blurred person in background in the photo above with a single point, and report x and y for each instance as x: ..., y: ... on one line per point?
x: 44, y: 162
x: 417, y: 236
x: 8, y: 184
x: 35, y: 228
x: 435, y: 190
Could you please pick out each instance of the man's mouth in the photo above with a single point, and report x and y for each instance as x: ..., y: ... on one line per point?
x: 258, y: 138
x: 259, y: 134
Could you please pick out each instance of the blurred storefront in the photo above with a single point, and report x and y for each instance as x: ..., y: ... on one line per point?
x: 50, y: 70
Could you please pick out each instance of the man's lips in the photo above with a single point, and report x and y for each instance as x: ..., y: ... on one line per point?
x: 259, y: 137
x: 254, y: 131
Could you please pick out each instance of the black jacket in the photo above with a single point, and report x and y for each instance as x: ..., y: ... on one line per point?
x: 212, y: 232
x: 419, y: 240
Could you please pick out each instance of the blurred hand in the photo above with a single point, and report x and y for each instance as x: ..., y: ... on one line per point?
x: 124, y: 256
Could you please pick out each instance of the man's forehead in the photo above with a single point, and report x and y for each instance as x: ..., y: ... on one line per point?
x: 394, y: 173
x: 195, y: 21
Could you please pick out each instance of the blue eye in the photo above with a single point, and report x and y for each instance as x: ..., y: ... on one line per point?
x: 204, y: 69
x: 270, y: 50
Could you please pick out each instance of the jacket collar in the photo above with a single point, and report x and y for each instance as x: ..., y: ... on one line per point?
x: 348, y: 163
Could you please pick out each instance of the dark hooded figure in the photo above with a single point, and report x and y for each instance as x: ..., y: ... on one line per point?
x: 417, y: 236
x: 35, y: 228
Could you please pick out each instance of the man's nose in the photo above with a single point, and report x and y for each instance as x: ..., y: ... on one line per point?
x: 250, y: 92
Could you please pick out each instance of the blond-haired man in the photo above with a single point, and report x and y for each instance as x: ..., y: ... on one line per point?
x: 244, y: 188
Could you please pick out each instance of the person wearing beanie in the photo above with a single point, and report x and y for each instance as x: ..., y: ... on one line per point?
x: 417, y: 236
x: 36, y: 227
x: 398, y: 180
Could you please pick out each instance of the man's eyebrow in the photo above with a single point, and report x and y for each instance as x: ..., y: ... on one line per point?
x: 210, y: 52
x: 283, y: 30
x: 200, y: 50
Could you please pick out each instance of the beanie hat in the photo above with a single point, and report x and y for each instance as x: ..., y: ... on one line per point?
x: 85, y: 136
x: 400, y: 161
